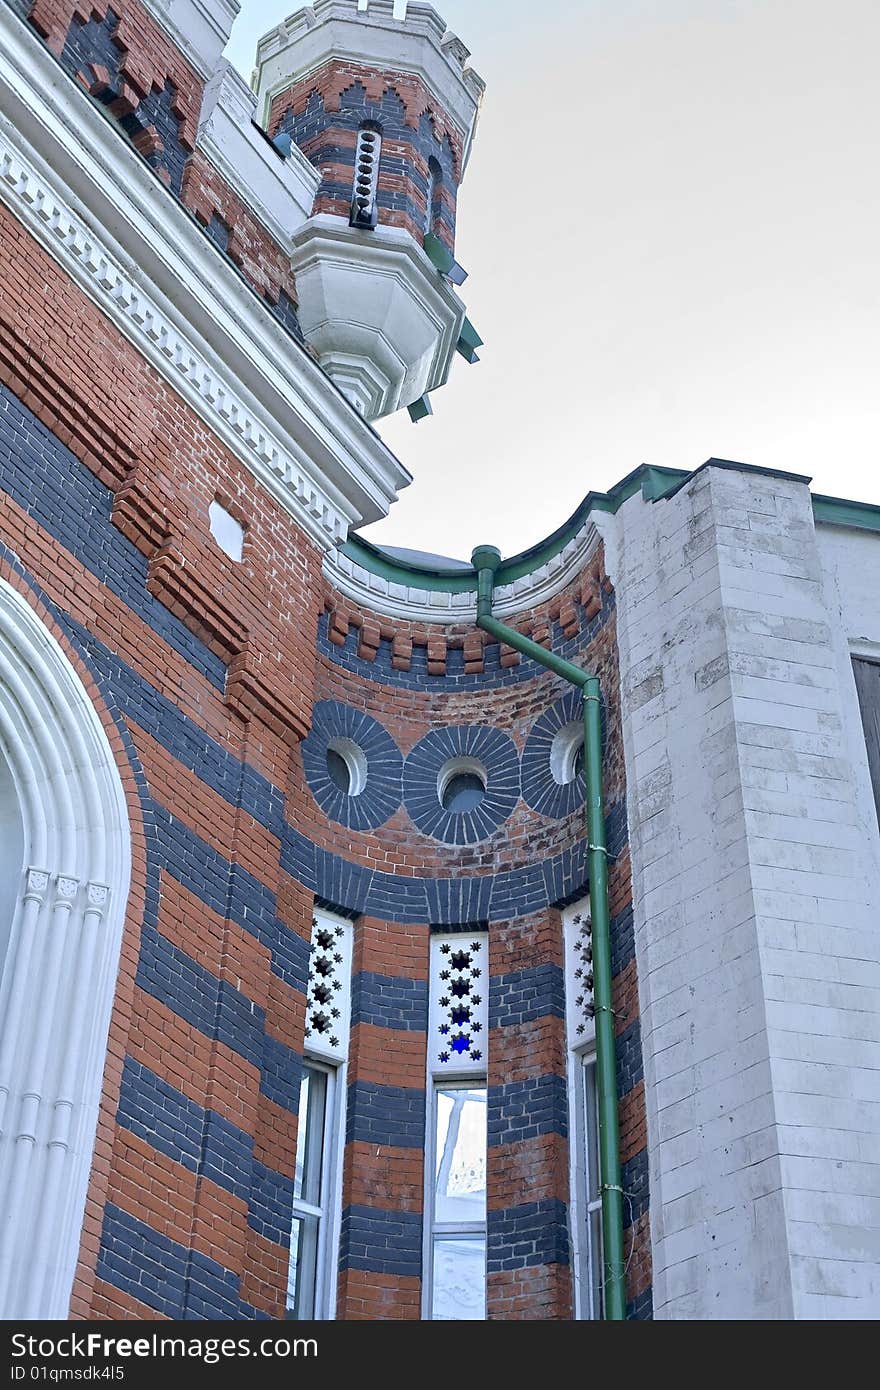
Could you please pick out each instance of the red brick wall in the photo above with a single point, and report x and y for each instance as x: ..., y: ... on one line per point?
x: 89, y: 386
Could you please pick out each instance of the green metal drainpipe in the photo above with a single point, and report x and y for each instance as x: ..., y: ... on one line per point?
x: 485, y: 561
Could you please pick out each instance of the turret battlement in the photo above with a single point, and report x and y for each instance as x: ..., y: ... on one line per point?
x: 419, y: 44
x: 385, y: 110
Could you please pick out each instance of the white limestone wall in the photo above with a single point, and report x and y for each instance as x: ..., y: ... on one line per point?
x: 851, y: 572
x: 756, y: 895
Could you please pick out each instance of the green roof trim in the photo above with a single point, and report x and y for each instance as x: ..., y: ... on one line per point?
x: 468, y: 342
x: 839, y: 511
x: 438, y: 253
x: 653, y: 483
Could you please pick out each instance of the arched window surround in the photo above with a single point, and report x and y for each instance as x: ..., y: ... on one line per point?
x: 61, y: 958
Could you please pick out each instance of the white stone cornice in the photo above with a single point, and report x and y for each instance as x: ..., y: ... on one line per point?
x: 383, y: 322
x: 413, y: 604
x: 85, y: 194
x: 279, y: 191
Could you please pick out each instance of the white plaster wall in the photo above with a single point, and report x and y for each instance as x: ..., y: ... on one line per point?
x: 756, y: 906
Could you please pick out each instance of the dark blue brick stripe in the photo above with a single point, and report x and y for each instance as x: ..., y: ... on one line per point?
x: 535, y: 1233
x: 383, y: 1242
x: 393, y: 898
x: 280, y: 1074
x: 238, y: 783
x: 628, y: 1057
x: 386, y: 1115
x: 140, y: 1262
x: 164, y: 1275
x: 271, y: 1204
x: 231, y: 892
x: 623, y: 943
x: 160, y: 1115
x: 525, y: 995
x: 228, y: 1156
x: 634, y: 1181
x: 526, y: 1109
x: 641, y: 1309
x: 389, y: 1002
x: 48, y: 482
x: 212, y: 1292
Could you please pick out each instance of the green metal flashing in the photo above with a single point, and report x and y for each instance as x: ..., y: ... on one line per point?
x: 839, y: 511
x: 653, y: 483
x: 468, y: 342
x: 438, y: 253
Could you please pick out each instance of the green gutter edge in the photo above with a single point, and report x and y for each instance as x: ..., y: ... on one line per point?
x: 839, y: 511
x: 655, y: 484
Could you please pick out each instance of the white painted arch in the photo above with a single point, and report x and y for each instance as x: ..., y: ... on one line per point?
x: 67, y: 865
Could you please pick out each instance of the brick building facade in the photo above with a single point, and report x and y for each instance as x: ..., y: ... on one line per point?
x: 232, y: 736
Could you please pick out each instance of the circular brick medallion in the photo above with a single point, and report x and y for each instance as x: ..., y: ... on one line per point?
x: 457, y: 746
x: 549, y: 783
x: 367, y: 746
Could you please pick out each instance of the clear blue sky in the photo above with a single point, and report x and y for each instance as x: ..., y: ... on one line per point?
x: 671, y: 221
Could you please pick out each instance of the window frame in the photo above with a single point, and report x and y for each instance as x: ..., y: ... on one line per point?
x: 329, y: 1055
x: 585, y: 1194
x: 868, y: 654
x: 584, y: 1166
x: 329, y: 1212
x: 448, y: 1229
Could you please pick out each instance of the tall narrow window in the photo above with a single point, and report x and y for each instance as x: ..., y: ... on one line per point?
x: 435, y: 180
x: 867, y: 674
x: 458, y: 1235
x: 317, y: 1182
x: 364, y: 209
x: 586, y: 1190
x: 455, y: 1239
x: 312, y: 1188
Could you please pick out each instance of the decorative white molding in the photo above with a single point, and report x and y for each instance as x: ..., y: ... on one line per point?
x: 458, y: 1005
x: 419, y: 44
x: 201, y: 28
x: 413, y: 604
x: 580, y: 1023
x: 98, y: 895
x: 58, y: 972
x: 67, y: 887
x: 328, y: 995
x: 36, y: 883
x: 70, y: 177
x: 383, y: 322
x: 279, y: 191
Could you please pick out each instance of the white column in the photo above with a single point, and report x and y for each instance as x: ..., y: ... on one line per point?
x: 756, y: 908
x: 18, y: 964
x: 61, y: 1118
x: 31, y: 1058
